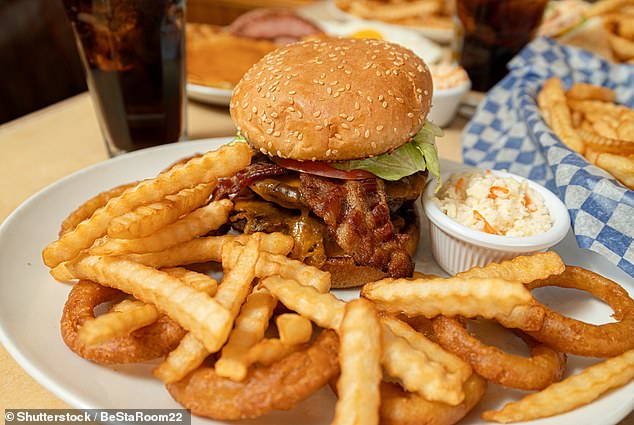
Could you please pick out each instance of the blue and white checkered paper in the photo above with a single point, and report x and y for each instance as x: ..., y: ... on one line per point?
x: 508, y: 132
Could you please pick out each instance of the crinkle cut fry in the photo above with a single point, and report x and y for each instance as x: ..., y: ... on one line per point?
x: 360, y: 364
x: 570, y: 393
x: 202, y: 250
x: 197, y: 223
x: 223, y: 162
x: 489, y: 298
x: 146, y: 219
x: 522, y: 269
x: 88, y: 208
x: 203, y: 316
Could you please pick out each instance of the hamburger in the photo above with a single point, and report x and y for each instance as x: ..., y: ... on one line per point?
x: 344, y: 150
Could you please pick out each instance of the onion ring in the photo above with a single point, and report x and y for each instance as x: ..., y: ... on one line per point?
x: 144, y: 344
x: 544, y: 367
x: 279, y: 386
x: 399, y: 407
x: 583, y: 339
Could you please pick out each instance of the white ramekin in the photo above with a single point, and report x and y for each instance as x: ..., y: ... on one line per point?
x: 445, y: 102
x: 456, y: 247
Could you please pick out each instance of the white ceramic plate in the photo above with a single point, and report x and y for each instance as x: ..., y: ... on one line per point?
x: 441, y: 35
x: 211, y: 95
x: 31, y: 304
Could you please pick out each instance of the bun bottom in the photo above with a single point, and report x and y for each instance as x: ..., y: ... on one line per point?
x: 346, y: 274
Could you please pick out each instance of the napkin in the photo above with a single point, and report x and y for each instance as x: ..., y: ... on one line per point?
x: 508, y: 132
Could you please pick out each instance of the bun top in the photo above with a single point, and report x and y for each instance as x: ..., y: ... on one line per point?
x: 334, y: 99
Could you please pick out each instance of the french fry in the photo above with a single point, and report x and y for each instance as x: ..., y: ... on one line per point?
x: 233, y: 290
x: 572, y: 392
x: 622, y: 48
x: 558, y: 116
x: 147, y: 219
x: 293, y: 328
x: 117, y: 323
x: 196, y: 223
x: 522, y: 269
x: 202, y: 250
x: 417, y: 372
x: 620, y: 167
x: 88, y: 208
x: 489, y: 298
x: 249, y: 329
x: 270, y: 350
x: 583, y: 91
x: 189, y: 354
x: 455, y: 368
x: 204, y: 317
x: 209, y: 167
x: 127, y: 305
x: 358, y: 392
x: 198, y: 281
x: 323, y: 309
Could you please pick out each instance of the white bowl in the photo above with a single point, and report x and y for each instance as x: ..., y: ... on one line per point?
x: 457, y: 248
x: 445, y: 103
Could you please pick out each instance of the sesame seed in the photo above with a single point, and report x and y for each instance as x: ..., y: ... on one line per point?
x: 270, y: 145
x: 290, y: 109
x: 384, y: 104
x: 328, y: 152
x: 300, y: 114
x: 350, y: 118
x: 410, y: 115
x: 373, y: 144
x: 367, y: 134
x: 381, y: 98
x: 344, y: 125
x: 318, y: 127
x: 338, y: 136
x: 357, y: 106
x: 400, y: 100
x: 379, y: 127
x: 274, y: 114
x: 291, y: 92
x: 269, y: 131
x: 329, y: 90
x: 343, y: 116
x: 334, y: 83
x: 316, y: 114
x: 254, y: 110
x: 336, y: 94
x: 276, y: 134
x: 395, y: 130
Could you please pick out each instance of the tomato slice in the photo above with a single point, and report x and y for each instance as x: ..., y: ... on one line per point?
x: 319, y: 168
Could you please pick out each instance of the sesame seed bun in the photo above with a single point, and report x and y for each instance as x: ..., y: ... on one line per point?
x: 333, y: 99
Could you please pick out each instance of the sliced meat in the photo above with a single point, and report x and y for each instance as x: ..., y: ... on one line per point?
x: 277, y: 25
x: 358, y: 217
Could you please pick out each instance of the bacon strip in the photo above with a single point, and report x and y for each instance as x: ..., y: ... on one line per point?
x: 230, y: 187
x: 357, y: 215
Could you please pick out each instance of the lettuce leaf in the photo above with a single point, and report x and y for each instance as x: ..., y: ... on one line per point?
x: 418, y: 155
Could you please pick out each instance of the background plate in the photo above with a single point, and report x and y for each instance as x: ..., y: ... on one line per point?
x: 31, y: 304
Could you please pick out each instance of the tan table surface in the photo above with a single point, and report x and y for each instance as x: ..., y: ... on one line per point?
x: 43, y: 147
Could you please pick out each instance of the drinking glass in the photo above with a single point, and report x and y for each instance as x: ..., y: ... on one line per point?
x: 133, y: 53
x: 492, y: 33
